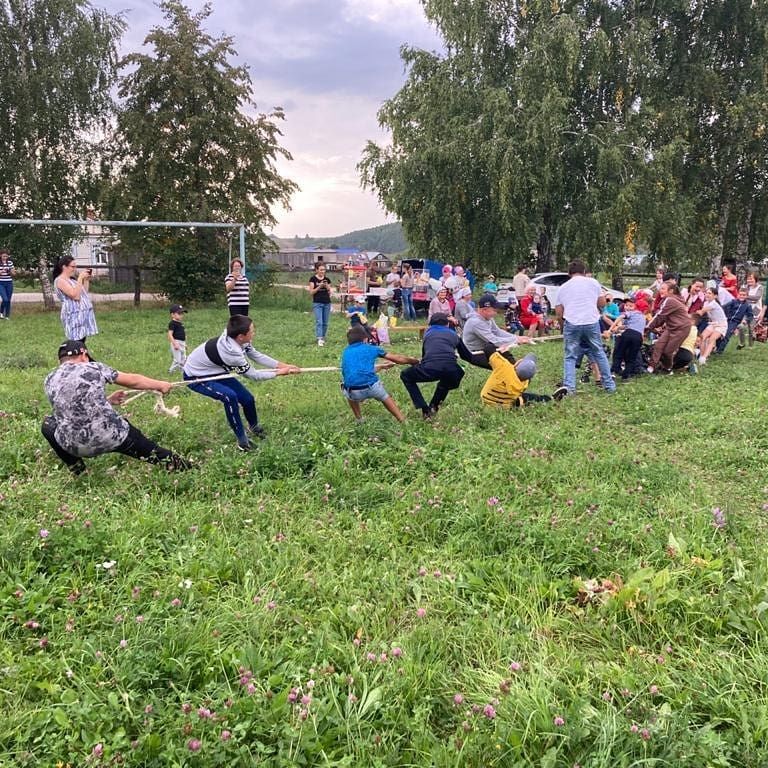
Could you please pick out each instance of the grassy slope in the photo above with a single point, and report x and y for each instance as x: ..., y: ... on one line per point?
x: 317, y: 539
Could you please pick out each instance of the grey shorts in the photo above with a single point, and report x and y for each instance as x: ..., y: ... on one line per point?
x: 374, y: 392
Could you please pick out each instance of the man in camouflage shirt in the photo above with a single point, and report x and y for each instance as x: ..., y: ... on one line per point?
x: 84, y: 423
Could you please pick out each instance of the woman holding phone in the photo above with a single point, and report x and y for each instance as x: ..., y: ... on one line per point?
x: 238, y: 290
x: 320, y: 291
x: 71, y: 287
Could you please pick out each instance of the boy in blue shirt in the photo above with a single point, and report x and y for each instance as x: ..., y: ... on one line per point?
x: 358, y: 373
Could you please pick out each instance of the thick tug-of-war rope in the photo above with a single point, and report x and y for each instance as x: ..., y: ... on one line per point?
x: 175, y: 411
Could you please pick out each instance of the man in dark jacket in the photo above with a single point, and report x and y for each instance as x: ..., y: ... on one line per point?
x: 438, y: 363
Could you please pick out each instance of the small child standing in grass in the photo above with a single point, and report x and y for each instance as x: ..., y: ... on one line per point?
x: 358, y: 373
x: 177, y: 336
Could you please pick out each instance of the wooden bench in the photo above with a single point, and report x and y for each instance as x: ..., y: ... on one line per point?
x: 419, y: 328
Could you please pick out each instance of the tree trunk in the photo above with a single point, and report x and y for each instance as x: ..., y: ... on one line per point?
x: 544, y: 255
x: 45, y: 283
x: 136, y: 286
x: 716, y: 260
x: 617, y: 280
x: 743, y: 234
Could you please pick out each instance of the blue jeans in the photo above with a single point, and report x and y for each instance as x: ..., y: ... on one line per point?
x: 233, y: 394
x: 573, y: 335
x: 409, y: 312
x: 322, y: 314
x: 6, y: 291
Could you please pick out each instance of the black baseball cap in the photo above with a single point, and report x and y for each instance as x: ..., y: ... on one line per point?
x: 73, y: 349
x: 487, y: 300
x: 177, y: 308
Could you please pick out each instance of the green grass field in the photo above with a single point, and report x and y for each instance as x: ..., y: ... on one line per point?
x: 545, y: 588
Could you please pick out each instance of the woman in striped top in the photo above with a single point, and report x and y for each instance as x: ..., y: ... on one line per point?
x: 6, y: 283
x: 77, y: 315
x: 238, y: 290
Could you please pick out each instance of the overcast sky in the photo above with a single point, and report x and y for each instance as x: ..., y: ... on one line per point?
x: 330, y: 64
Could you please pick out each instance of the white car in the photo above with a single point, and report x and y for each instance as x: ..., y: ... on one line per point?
x: 549, y: 283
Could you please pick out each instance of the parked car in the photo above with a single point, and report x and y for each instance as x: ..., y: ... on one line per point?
x: 504, y: 294
x: 549, y: 283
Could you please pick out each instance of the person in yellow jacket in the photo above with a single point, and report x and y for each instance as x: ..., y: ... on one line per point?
x: 507, y: 385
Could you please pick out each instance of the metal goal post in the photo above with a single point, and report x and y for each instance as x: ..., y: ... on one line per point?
x: 99, y: 223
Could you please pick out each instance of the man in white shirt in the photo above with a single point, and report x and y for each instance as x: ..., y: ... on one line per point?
x: 579, y: 303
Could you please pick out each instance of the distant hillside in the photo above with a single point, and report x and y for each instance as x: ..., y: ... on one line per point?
x: 388, y: 238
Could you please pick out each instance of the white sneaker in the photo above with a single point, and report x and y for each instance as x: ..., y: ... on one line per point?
x: 321, y: 342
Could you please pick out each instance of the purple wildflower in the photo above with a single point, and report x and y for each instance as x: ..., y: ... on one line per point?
x: 718, y: 518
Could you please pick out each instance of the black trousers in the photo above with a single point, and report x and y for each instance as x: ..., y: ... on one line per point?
x: 627, y: 347
x: 530, y: 397
x: 683, y: 358
x: 136, y: 445
x: 448, y: 376
x: 372, y: 304
x: 239, y: 309
x: 480, y: 360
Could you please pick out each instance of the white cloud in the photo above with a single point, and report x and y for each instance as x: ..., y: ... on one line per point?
x: 330, y: 65
x: 396, y: 13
